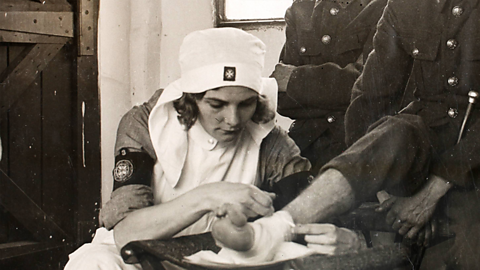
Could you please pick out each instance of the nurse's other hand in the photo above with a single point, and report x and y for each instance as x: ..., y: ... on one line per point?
x: 231, y: 229
x: 330, y: 239
x: 253, y: 201
x: 233, y: 212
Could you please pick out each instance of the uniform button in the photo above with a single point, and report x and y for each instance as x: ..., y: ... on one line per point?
x: 331, y: 119
x: 415, y: 52
x: 303, y: 49
x: 452, y: 81
x: 128, y: 252
x: 326, y: 39
x: 452, y: 112
x: 452, y: 44
x: 334, y: 11
x: 457, y: 11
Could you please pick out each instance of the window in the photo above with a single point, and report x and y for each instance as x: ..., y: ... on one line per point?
x: 245, y: 11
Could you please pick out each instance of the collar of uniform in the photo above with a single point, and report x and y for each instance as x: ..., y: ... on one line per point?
x: 201, y: 137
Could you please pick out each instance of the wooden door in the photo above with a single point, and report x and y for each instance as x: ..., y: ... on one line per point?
x: 50, y: 131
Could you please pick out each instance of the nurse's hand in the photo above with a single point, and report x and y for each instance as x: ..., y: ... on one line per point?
x: 329, y: 239
x: 231, y: 228
x: 253, y: 202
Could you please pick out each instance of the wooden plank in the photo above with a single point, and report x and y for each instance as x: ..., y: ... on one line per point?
x: 15, y: 230
x: 27, y: 255
x: 28, y: 213
x: 19, y: 75
x: 38, y: 22
x: 88, y: 148
x: 57, y: 139
x: 25, y: 144
x: 3, y: 226
x: 4, y: 136
x: 87, y: 134
x: 3, y: 118
x: 86, y: 22
x: 29, y: 5
x: 20, y: 37
x: 16, y: 249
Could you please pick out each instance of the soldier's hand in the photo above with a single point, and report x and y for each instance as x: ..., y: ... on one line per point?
x: 427, y: 234
x: 282, y: 74
x: 408, y: 215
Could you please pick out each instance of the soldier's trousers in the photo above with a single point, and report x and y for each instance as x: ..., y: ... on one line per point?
x: 395, y: 156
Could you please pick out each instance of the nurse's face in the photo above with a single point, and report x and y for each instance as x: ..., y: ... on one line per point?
x: 224, y: 112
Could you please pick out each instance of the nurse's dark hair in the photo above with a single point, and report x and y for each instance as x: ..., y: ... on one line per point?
x: 187, y: 109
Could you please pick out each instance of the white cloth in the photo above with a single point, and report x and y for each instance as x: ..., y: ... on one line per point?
x: 170, y: 140
x: 181, y: 160
x: 208, y: 162
x: 219, y: 57
x: 101, y: 254
x: 205, y: 57
x: 271, y: 245
x: 208, y: 59
x: 285, y: 251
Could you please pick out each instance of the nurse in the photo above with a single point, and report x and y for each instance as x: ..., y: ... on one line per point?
x: 207, y: 140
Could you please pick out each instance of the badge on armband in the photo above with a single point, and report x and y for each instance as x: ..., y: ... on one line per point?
x: 123, y: 170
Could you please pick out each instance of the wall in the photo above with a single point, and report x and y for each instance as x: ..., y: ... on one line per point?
x: 138, y: 54
x: 114, y: 79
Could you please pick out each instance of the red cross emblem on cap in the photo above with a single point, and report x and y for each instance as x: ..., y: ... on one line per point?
x: 229, y: 74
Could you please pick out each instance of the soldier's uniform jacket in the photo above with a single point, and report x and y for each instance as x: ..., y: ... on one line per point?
x: 441, y: 41
x: 437, y: 45
x: 326, y: 40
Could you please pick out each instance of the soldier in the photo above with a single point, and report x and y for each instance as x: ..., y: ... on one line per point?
x: 326, y: 43
x: 437, y: 44
x: 426, y: 152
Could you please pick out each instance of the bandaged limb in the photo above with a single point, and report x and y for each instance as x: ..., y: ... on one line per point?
x: 231, y: 229
x: 268, y: 234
